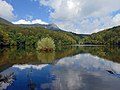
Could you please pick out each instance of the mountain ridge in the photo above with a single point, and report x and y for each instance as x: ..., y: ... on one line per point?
x: 47, y: 26
x: 52, y: 26
x: 4, y: 21
x: 29, y: 35
x: 109, y: 36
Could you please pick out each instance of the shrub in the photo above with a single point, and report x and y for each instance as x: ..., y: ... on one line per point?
x: 46, y: 44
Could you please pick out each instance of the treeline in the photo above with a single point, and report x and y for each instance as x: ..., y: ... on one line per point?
x: 29, y: 36
x: 111, y: 53
x: 106, y: 37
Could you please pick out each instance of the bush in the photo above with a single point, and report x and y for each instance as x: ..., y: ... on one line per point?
x: 46, y: 44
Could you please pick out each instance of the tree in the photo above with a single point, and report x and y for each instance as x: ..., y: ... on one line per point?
x: 4, y: 38
x: 46, y: 44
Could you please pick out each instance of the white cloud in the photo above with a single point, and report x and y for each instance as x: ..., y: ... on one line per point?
x: 96, y: 63
x: 74, y: 73
x: 6, y: 10
x: 82, y: 16
x: 116, y: 19
x: 37, y: 21
x: 25, y: 66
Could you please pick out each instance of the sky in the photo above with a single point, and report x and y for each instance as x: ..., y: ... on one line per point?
x: 79, y: 16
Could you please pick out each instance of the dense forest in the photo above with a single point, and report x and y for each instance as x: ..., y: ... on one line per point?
x: 14, y: 35
x: 106, y: 37
x: 21, y: 35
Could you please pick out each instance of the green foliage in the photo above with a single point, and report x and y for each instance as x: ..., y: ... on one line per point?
x: 46, y: 44
x: 105, y: 37
x: 29, y: 36
x: 4, y: 38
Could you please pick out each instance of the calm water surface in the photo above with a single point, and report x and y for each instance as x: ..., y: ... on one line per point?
x: 68, y: 68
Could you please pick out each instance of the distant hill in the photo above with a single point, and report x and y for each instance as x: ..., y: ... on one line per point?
x: 47, y: 26
x: 11, y: 34
x: 53, y: 27
x: 22, y: 35
x: 106, y: 37
x: 3, y: 21
x: 84, y: 35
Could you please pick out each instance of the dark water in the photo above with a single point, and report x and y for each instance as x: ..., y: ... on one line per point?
x: 68, y: 68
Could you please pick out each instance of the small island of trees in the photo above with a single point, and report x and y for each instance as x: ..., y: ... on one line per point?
x: 46, y: 44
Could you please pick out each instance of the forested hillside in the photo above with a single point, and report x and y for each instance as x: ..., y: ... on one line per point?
x: 22, y: 36
x: 26, y: 35
x: 106, y: 37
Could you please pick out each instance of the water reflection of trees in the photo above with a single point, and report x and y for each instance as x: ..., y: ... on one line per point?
x: 14, y: 55
x: 66, y: 51
x: 6, y: 80
x: 31, y: 85
x: 61, y: 52
x: 46, y: 57
x: 111, y: 53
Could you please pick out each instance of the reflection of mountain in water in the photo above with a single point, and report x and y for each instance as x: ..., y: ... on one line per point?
x: 10, y: 56
x: 110, y: 53
x: 82, y: 71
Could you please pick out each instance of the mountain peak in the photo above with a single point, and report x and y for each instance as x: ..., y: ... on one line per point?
x: 53, y: 27
x: 3, y: 21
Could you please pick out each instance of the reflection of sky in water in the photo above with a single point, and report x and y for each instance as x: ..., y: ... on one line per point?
x: 88, y: 62
x: 85, y: 72
x: 82, y: 71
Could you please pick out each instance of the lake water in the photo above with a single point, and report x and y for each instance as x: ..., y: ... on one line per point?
x: 68, y: 68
